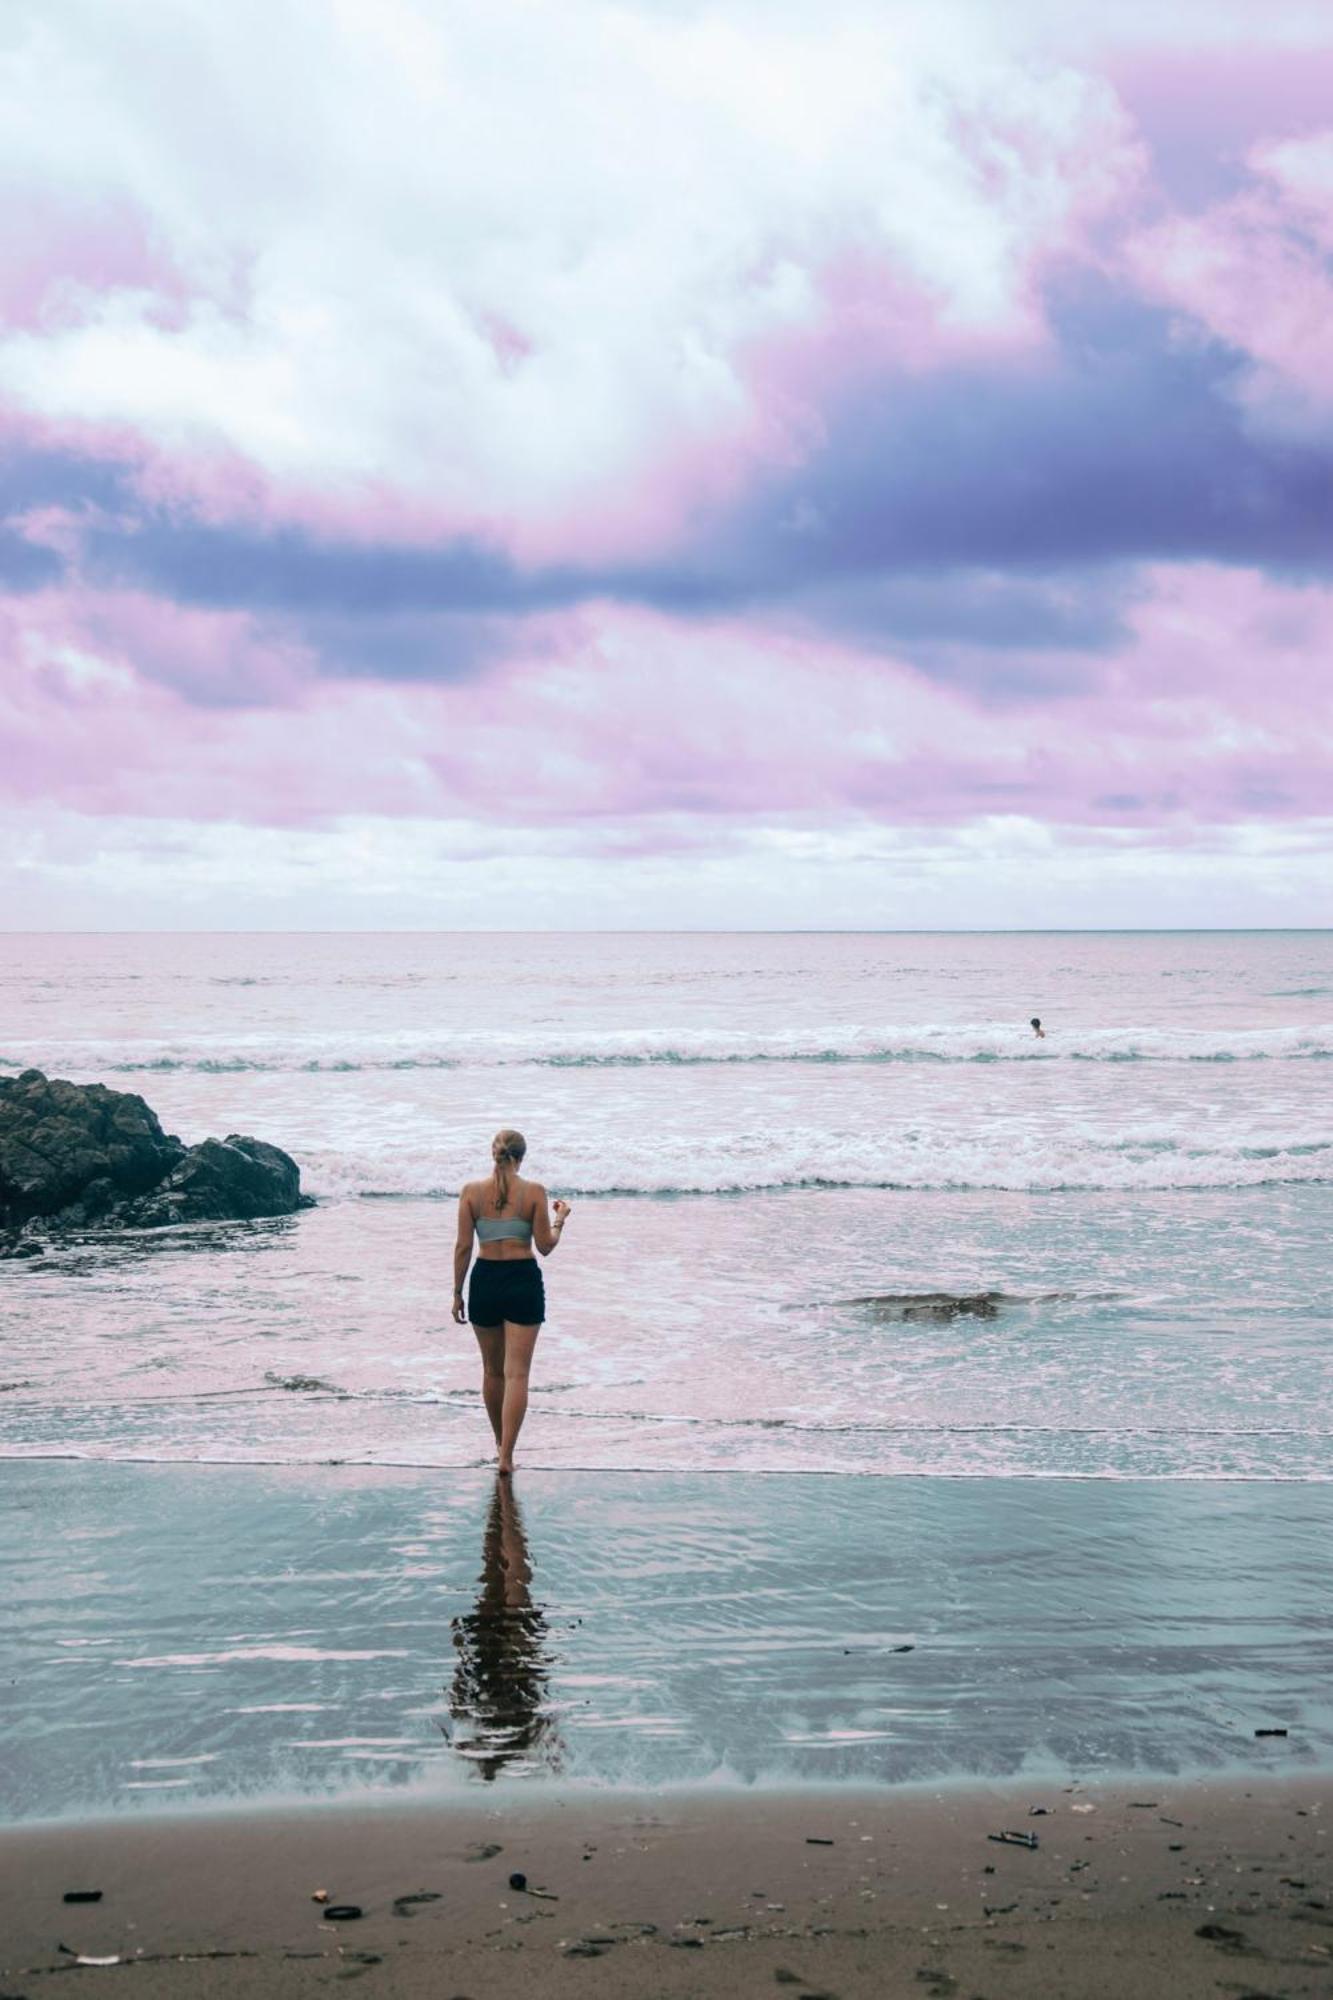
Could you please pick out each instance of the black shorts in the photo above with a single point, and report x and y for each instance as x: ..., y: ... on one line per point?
x: 506, y: 1288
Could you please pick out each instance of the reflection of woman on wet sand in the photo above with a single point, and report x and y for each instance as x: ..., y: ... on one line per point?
x: 499, y: 1698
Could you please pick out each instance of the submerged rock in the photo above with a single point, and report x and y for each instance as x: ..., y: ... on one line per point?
x: 936, y: 1306
x: 82, y: 1156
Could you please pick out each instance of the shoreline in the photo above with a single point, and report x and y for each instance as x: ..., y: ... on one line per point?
x: 1150, y: 1887
x: 533, y: 1798
x: 538, y: 1471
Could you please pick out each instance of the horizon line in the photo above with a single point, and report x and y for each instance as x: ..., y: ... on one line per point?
x: 709, y: 930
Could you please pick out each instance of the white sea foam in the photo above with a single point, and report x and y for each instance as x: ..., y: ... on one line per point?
x: 668, y: 1046
x: 795, y: 1160
x: 286, y: 1653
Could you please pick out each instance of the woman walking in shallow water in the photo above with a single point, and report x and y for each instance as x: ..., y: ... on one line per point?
x: 508, y: 1217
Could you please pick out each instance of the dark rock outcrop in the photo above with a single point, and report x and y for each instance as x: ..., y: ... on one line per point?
x: 223, y: 1180
x: 80, y: 1156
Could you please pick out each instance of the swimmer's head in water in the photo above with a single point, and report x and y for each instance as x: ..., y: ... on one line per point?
x: 1035, y: 1023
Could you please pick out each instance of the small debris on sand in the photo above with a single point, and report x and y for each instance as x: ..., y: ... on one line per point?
x: 1220, y: 1934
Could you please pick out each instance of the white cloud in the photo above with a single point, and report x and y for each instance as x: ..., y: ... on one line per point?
x: 67, y: 872
x: 493, y: 257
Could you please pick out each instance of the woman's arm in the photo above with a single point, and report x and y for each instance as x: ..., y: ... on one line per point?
x: 545, y: 1233
x: 462, y: 1252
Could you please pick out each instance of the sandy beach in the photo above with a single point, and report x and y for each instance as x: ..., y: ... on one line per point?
x: 1178, y: 1890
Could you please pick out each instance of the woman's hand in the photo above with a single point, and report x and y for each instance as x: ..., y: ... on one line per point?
x: 459, y: 1311
x: 560, y: 1210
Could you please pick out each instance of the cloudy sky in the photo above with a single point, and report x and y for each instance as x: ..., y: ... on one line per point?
x: 641, y: 462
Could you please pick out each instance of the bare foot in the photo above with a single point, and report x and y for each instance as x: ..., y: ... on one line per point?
x: 505, y: 1468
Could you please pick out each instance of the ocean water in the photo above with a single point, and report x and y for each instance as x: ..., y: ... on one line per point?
x: 838, y: 1218
x: 836, y: 1209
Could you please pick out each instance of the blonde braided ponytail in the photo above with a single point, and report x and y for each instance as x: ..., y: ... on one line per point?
x: 507, y: 1150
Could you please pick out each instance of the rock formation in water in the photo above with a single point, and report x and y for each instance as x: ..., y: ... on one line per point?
x: 79, y: 1156
x: 937, y: 1306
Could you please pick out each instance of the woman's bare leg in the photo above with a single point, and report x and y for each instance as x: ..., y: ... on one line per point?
x: 519, y: 1342
x: 491, y: 1341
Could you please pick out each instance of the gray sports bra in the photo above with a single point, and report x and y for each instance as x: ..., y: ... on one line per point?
x: 493, y: 1228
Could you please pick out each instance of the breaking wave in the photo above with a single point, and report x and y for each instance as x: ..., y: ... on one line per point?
x: 928, y: 1044
x: 815, y: 1162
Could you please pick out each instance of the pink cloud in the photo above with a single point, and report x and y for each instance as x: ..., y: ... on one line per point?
x: 1216, y: 712
x: 1255, y: 272
x: 215, y: 658
x: 60, y: 255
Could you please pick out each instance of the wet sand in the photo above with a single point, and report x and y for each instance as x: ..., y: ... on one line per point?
x: 1179, y: 1890
x: 190, y: 1635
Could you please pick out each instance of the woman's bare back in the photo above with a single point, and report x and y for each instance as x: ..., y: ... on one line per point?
x: 526, y: 1199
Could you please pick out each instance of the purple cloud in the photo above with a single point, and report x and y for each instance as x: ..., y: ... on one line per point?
x: 947, y: 434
